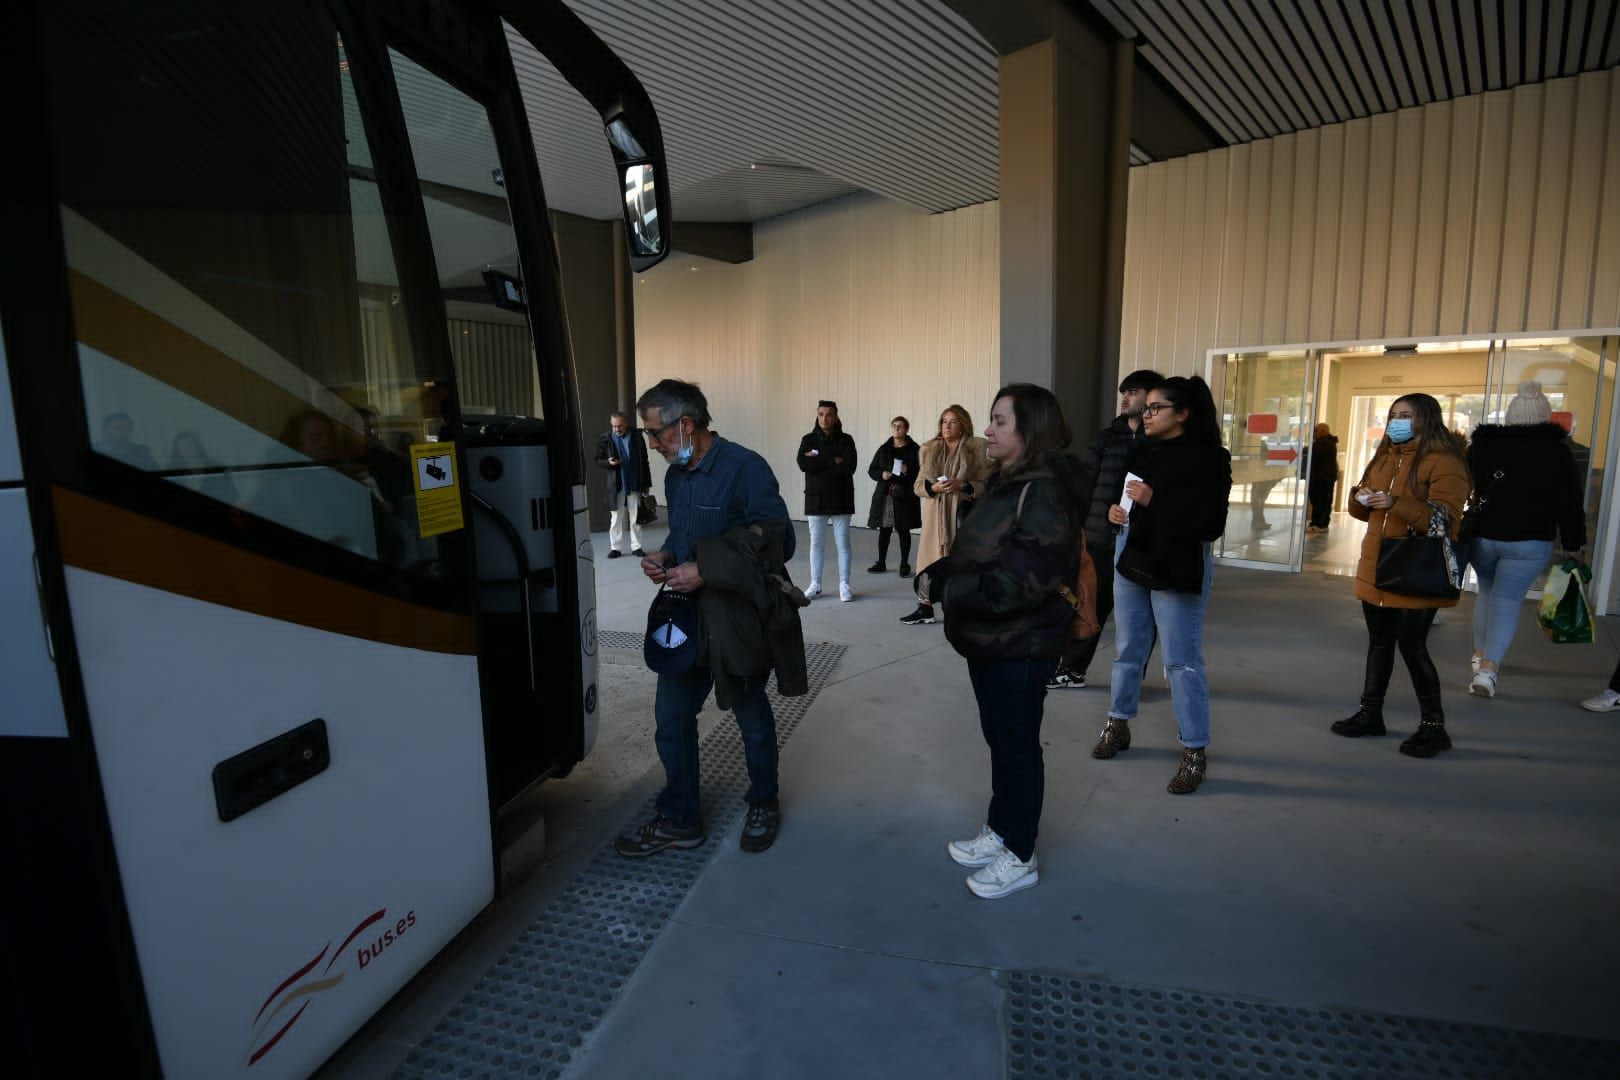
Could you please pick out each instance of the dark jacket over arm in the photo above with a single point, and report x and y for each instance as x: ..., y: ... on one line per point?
x: 749, y: 611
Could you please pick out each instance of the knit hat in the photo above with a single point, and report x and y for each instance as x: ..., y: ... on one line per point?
x: 1530, y: 407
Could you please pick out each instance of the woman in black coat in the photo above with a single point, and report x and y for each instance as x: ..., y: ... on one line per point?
x: 895, y: 506
x: 827, y: 458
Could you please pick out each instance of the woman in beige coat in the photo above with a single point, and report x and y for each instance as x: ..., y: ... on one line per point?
x: 1417, y: 467
x: 954, y: 466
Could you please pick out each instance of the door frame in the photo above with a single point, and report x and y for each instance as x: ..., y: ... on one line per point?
x: 1605, y: 590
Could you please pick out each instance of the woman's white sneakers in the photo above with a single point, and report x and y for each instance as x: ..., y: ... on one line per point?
x: 1483, y: 683
x: 999, y: 872
x: 813, y: 591
x: 845, y: 593
x: 1006, y: 874
x: 1608, y: 701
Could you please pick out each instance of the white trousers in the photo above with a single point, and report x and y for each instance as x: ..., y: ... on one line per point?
x: 618, y: 518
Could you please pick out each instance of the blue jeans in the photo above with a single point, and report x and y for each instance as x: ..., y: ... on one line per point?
x: 680, y: 697
x: 1506, y: 570
x: 818, y: 541
x: 1012, y: 697
x: 1179, y: 620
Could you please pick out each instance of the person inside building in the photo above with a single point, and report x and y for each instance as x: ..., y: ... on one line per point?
x: 1164, y: 567
x: 1105, y: 460
x: 952, y: 469
x: 1321, y: 477
x: 896, y: 510
x: 827, y: 459
x: 1416, y: 467
x: 1526, y: 491
x: 626, y: 477
x: 1004, y: 586
x: 750, y: 538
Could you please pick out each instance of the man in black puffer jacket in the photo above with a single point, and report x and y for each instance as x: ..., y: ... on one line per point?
x: 1106, y: 458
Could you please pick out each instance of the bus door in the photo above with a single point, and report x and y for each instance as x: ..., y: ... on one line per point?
x: 262, y: 574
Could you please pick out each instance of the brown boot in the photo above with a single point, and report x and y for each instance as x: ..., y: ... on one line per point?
x: 1116, y: 736
x: 1190, y: 774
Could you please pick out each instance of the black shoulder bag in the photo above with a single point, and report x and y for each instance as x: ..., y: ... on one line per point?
x: 1424, y: 565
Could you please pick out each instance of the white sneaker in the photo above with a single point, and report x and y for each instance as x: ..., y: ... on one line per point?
x: 1608, y: 701
x: 979, y: 851
x: 845, y: 593
x: 1004, y: 875
x: 813, y: 591
x: 1484, y: 684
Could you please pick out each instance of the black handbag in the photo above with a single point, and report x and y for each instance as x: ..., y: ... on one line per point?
x: 647, y: 509
x: 1424, y: 565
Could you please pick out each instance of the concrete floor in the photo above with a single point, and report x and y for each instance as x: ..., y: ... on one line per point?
x: 1309, y: 870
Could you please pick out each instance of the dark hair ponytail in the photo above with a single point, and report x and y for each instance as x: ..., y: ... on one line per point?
x: 1191, y: 395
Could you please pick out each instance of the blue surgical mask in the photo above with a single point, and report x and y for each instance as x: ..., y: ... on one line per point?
x: 683, y: 455
x: 1399, y: 430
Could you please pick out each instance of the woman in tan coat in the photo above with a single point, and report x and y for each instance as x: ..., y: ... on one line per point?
x: 954, y: 466
x: 1417, y: 463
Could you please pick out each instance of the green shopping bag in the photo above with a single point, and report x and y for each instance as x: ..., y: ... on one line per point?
x: 1565, y: 615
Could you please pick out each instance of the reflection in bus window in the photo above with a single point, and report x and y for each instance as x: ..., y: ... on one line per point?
x: 471, y: 225
x: 237, y: 306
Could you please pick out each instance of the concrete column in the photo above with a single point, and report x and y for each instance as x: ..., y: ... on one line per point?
x: 1065, y: 160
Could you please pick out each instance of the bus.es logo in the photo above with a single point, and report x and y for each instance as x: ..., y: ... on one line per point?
x: 301, y: 987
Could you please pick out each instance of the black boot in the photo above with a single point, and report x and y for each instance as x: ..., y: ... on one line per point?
x: 1367, y: 720
x: 1430, y: 737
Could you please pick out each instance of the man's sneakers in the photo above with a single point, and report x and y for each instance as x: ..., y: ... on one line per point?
x: 1608, y: 701
x: 1065, y: 679
x: 658, y: 834
x: 638, y: 553
x: 1003, y: 876
x: 921, y: 617
x: 615, y: 554
x: 979, y: 851
x: 760, y: 827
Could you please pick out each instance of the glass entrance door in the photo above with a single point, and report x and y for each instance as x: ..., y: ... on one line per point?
x: 1268, y: 403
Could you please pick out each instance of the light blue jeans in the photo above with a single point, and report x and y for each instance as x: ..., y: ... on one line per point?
x: 818, y: 541
x: 1180, y: 621
x: 1506, y: 569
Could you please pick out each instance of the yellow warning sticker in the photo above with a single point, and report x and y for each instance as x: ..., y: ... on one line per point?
x: 438, y: 488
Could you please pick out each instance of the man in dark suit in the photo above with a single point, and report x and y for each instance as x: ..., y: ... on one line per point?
x: 628, y: 477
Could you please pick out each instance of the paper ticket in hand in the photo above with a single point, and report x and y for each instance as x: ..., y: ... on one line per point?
x: 1365, y: 498
x: 1125, y: 501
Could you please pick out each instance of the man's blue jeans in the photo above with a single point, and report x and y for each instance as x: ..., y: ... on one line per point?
x: 680, y: 698
x: 1506, y: 569
x: 1012, y: 696
x: 1179, y: 620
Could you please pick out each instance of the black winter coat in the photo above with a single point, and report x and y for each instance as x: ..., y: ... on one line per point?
x: 748, y: 611
x: 1192, y: 484
x: 829, y: 476
x: 1324, y: 464
x: 907, y: 507
x: 1106, y: 458
x: 605, y: 451
x: 1526, y: 484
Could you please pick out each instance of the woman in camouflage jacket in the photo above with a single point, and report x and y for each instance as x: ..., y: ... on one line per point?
x: 1006, y: 586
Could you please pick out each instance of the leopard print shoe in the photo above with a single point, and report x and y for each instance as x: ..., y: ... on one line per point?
x: 1190, y: 774
x: 1116, y: 736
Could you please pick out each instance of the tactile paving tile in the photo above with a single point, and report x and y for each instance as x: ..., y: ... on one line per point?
x: 531, y: 1010
x: 619, y: 639
x: 1061, y: 1026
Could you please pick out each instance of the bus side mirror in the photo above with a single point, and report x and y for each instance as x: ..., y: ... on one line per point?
x: 646, y: 198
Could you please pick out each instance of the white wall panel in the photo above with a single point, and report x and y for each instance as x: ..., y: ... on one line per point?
x: 884, y: 309
x: 1492, y: 214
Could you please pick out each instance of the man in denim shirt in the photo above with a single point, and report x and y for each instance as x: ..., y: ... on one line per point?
x: 713, y: 485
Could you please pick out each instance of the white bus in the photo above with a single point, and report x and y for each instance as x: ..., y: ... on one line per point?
x: 297, y: 584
